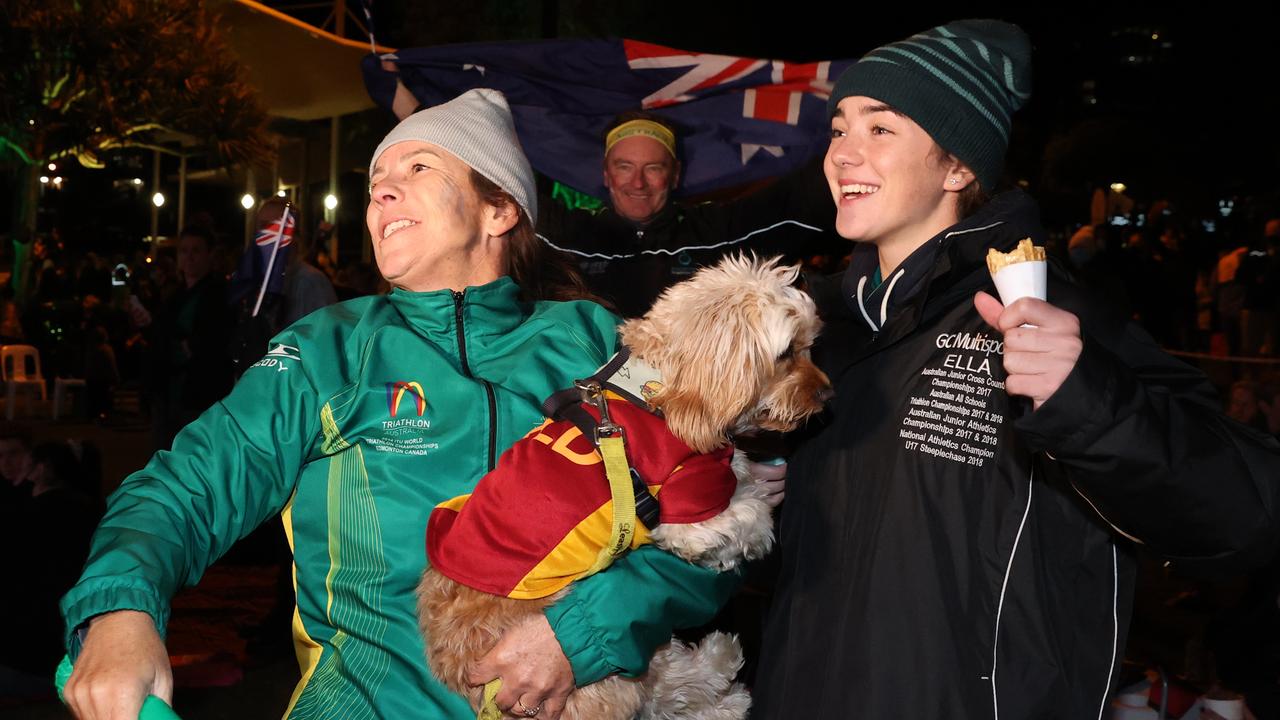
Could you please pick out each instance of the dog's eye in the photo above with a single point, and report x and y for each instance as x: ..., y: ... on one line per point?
x: 787, y: 354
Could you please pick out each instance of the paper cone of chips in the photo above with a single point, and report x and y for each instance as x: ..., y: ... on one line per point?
x: 1021, y: 272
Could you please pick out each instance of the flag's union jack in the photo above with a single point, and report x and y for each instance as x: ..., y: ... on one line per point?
x: 267, y: 233
x: 773, y: 88
x: 774, y: 94
x: 251, y: 275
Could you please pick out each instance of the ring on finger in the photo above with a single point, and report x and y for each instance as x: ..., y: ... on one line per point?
x: 526, y: 711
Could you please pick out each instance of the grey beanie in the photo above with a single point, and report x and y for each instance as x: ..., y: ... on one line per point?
x: 961, y: 82
x: 477, y: 127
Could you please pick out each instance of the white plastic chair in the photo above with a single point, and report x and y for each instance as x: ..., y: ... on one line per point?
x: 14, y: 360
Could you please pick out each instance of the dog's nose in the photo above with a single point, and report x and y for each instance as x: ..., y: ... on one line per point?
x: 824, y: 393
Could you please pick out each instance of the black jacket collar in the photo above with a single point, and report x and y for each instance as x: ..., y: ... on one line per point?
x: 951, y: 263
x: 658, y: 225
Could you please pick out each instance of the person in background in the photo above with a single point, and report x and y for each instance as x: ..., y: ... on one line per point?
x: 15, y: 464
x: 306, y: 288
x: 1244, y: 405
x: 1097, y: 269
x: 101, y: 373
x: 1259, y: 274
x: 188, y: 336
x: 643, y: 241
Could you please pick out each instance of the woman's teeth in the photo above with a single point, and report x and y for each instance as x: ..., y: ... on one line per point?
x: 386, y: 231
x: 858, y: 189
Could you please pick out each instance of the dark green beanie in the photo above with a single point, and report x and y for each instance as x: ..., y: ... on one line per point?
x: 961, y: 82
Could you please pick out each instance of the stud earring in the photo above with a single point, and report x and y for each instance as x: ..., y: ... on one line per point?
x: 954, y: 181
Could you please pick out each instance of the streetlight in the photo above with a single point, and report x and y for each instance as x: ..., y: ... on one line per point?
x: 53, y: 166
x: 58, y: 181
x: 281, y: 193
x: 44, y: 179
x: 137, y: 182
x: 158, y: 199
x: 330, y: 201
x: 1118, y: 187
x: 247, y: 201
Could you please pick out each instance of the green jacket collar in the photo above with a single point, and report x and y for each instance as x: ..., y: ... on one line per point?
x: 491, y: 309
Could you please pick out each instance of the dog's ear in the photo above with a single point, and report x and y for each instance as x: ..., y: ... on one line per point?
x: 716, y: 363
x: 690, y: 418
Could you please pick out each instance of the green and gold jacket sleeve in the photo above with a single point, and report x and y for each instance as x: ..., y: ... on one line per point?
x: 613, y: 621
x: 229, y: 470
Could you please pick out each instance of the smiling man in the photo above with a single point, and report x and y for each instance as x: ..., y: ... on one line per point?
x: 640, y: 168
x: 642, y: 242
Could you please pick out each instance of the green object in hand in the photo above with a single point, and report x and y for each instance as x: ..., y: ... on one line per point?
x: 153, y: 708
x: 488, y: 705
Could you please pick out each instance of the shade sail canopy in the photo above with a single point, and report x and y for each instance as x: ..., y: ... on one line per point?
x: 301, y: 72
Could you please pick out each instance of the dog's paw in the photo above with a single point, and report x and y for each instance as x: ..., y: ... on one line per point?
x: 687, y: 682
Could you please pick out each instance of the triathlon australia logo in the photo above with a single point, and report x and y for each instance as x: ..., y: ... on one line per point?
x: 405, y: 433
x: 396, y: 392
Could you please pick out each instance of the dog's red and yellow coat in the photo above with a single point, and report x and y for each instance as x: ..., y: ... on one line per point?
x: 471, y: 539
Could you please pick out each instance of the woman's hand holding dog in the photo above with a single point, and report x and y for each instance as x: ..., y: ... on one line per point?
x: 122, y: 662
x: 534, y: 670
x: 773, y: 478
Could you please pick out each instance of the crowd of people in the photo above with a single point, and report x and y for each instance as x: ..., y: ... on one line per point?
x: 1193, y: 290
x: 1211, y: 298
x: 970, y: 503
x: 166, y: 322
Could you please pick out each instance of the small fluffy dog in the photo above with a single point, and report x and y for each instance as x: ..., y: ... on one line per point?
x: 724, y: 353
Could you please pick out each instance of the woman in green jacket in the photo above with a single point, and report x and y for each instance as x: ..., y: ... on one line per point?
x: 357, y: 422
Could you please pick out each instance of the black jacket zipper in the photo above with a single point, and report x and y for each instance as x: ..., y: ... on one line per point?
x: 466, y: 369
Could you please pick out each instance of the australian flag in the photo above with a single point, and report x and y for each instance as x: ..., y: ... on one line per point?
x: 739, y: 119
x: 252, y: 272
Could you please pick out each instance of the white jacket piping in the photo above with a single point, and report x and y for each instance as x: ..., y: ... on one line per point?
x: 675, y: 251
x: 995, y: 640
x: 1115, y: 628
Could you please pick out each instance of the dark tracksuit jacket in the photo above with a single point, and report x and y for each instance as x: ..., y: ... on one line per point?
x: 947, y: 553
x: 630, y: 264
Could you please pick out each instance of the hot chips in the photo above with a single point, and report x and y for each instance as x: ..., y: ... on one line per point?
x: 1025, y: 252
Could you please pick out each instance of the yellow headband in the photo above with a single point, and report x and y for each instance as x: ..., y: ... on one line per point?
x: 642, y: 128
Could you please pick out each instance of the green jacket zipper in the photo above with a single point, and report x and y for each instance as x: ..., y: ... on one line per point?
x: 458, y: 296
